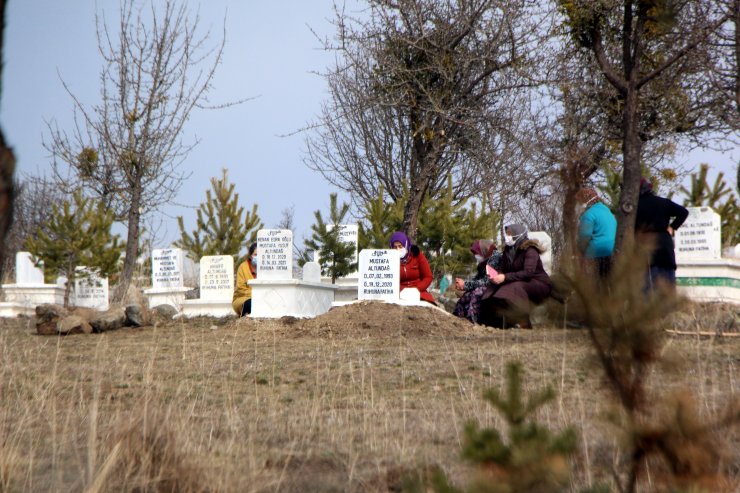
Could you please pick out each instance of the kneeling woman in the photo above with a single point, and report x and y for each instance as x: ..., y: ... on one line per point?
x: 415, y: 270
x: 521, y: 281
x: 242, y: 300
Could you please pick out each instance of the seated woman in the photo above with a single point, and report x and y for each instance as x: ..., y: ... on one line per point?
x: 415, y: 270
x: 486, y: 255
x: 521, y: 280
x: 242, y: 300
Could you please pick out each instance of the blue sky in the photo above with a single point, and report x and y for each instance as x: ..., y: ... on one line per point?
x: 270, y: 54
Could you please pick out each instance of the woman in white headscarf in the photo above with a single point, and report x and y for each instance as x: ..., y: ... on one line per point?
x: 521, y: 280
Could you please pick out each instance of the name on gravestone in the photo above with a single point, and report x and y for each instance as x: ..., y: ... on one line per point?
x: 167, y: 268
x: 216, y: 277
x: 275, y: 254
x: 379, y: 275
x: 700, y: 237
x: 91, y: 290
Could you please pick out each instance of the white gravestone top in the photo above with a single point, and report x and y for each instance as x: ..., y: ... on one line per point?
x: 217, y: 277
x: 25, y: 271
x: 91, y: 291
x: 167, y: 268
x: 274, y: 254
x: 379, y: 275
x: 700, y: 237
x: 312, y: 272
x: 546, y: 243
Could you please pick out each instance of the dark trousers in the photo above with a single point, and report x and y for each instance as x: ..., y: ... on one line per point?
x: 247, y: 307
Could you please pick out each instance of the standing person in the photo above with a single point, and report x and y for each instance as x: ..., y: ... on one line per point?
x: 657, y: 220
x: 468, y: 306
x: 521, y: 280
x: 415, y: 270
x: 242, y: 300
x: 597, y: 230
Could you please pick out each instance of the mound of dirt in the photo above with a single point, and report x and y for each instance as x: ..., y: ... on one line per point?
x: 375, y: 318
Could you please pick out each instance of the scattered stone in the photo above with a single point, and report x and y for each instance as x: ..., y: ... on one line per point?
x: 47, y: 317
x: 113, y: 319
x: 165, y: 311
x: 137, y: 316
x: 193, y: 294
x: 288, y: 320
x: 73, y: 324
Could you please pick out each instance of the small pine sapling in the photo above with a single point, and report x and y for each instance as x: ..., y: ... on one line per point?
x: 336, y: 256
x: 78, y: 233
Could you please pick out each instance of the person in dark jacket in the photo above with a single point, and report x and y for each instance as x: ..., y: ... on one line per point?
x: 521, y: 282
x: 656, y: 221
x: 415, y: 271
x: 468, y: 306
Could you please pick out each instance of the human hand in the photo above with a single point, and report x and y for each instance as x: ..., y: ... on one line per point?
x: 671, y: 231
x: 498, y: 279
x: 459, y: 284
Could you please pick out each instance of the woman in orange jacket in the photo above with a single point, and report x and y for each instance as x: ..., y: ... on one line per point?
x: 242, y: 300
x: 415, y: 270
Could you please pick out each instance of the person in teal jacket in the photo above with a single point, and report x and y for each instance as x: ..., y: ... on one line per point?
x: 597, y: 230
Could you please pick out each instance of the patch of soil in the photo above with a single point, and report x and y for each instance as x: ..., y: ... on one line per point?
x: 378, y: 319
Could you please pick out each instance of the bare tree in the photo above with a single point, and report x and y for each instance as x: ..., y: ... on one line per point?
x: 639, y: 44
x: 7, y: 165
x: 31, y: 211
x: 416, y: 95
x: 127, y: 148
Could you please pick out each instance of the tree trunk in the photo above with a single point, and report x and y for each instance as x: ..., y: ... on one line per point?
x: 631, y: 152
x: 411, y: 213
x: 132, y: 248
x: 68, y: 288
x: 7, y: 167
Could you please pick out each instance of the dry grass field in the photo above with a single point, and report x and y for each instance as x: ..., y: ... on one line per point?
x: 350, y: 401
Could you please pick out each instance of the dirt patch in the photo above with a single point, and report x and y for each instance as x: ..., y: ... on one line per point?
x: 378, y: 319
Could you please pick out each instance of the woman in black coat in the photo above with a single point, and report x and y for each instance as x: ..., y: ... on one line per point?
x: 521, y: 282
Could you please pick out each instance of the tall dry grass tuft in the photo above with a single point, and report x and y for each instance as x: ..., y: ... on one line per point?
x: 663, y: 438
x: 10, y: 468
x: 148, y: 457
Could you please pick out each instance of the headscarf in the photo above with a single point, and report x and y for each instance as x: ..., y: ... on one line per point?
x: 400, y: 236
x: 645, y: 186
x: 587, y: 196
x: 484, y: 248
x: 520, y: 232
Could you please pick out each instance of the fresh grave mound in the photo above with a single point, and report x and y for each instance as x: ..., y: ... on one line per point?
x: 375, y: 318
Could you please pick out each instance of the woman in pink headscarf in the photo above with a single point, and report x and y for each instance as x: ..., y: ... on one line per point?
x: 415, y: 270
x: 488, y: 259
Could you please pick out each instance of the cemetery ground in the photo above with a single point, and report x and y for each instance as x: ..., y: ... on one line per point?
x: 348, y: 401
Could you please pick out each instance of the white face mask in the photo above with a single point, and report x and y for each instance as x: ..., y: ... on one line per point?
x: 401, y: 252
x: 509, y: 240
x: 478, y: 258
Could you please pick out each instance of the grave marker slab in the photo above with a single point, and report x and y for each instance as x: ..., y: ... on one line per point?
x: 379, y: 275
x: 91, y: 290
x: 217, y: 277
x: 312, y: 272
x: 546, y: 242
x: 167, y: 268
x: 274, y: 254
x: 700, y: 237
x: 25, y: 270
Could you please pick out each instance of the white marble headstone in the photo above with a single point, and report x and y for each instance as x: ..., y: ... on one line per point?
x: 91, y: 290
x: 312, y: 272
x: 274, y: 254
x: 217, y: 277
x: 379, y: 275
x: 546, y: 243
x: 167, y: 268
x: 25, y: 271
x: 700, y: 236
